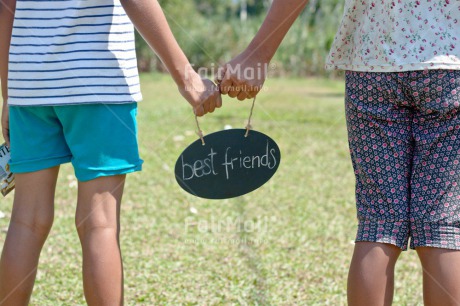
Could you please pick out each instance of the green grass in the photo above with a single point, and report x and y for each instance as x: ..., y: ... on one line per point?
x: 298, y: 255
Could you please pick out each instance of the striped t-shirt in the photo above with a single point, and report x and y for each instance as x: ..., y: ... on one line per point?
x: 72, y: 52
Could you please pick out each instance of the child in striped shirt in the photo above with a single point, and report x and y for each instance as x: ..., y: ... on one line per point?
x: 70, y: 89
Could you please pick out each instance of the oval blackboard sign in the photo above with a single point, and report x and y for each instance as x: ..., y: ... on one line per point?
x: 228, y: 165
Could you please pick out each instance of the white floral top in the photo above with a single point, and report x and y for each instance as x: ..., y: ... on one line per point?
x: 397, y: 35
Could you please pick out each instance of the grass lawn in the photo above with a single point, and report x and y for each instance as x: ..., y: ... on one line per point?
x: 288, y: 243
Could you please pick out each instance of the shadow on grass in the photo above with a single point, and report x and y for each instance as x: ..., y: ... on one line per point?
x: 248, y: 251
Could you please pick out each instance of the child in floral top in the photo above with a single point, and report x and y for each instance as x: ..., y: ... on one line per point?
x: 402, y: 62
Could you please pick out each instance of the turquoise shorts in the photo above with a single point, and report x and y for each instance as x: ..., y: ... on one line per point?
x: 99, y: 139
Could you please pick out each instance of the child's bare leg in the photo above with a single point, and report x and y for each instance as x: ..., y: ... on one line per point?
x: 371, y: 276
x: 441, y: 276
x: 31, y: 221
x: 98, y: 225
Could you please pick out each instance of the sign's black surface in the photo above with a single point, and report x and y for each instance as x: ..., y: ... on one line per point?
x: 228, y: 165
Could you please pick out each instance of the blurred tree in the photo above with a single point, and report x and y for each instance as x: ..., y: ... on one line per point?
x: 232, y: 8
x: 215, y: 8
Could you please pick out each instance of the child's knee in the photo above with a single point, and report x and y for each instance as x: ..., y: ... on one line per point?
x: 95, y: 224
x: 39, y: 224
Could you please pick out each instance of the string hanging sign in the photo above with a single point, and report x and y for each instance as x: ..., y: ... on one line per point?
x: 228, y: 163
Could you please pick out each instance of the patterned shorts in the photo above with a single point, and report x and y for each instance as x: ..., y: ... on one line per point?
x: 404, y: 137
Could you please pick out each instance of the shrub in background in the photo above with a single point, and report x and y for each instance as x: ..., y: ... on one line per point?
x: 211, y: 32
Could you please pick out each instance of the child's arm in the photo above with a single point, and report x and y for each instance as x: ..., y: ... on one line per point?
x: 260, y: 51
x: 149, y: 19
x: 7, y: 8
